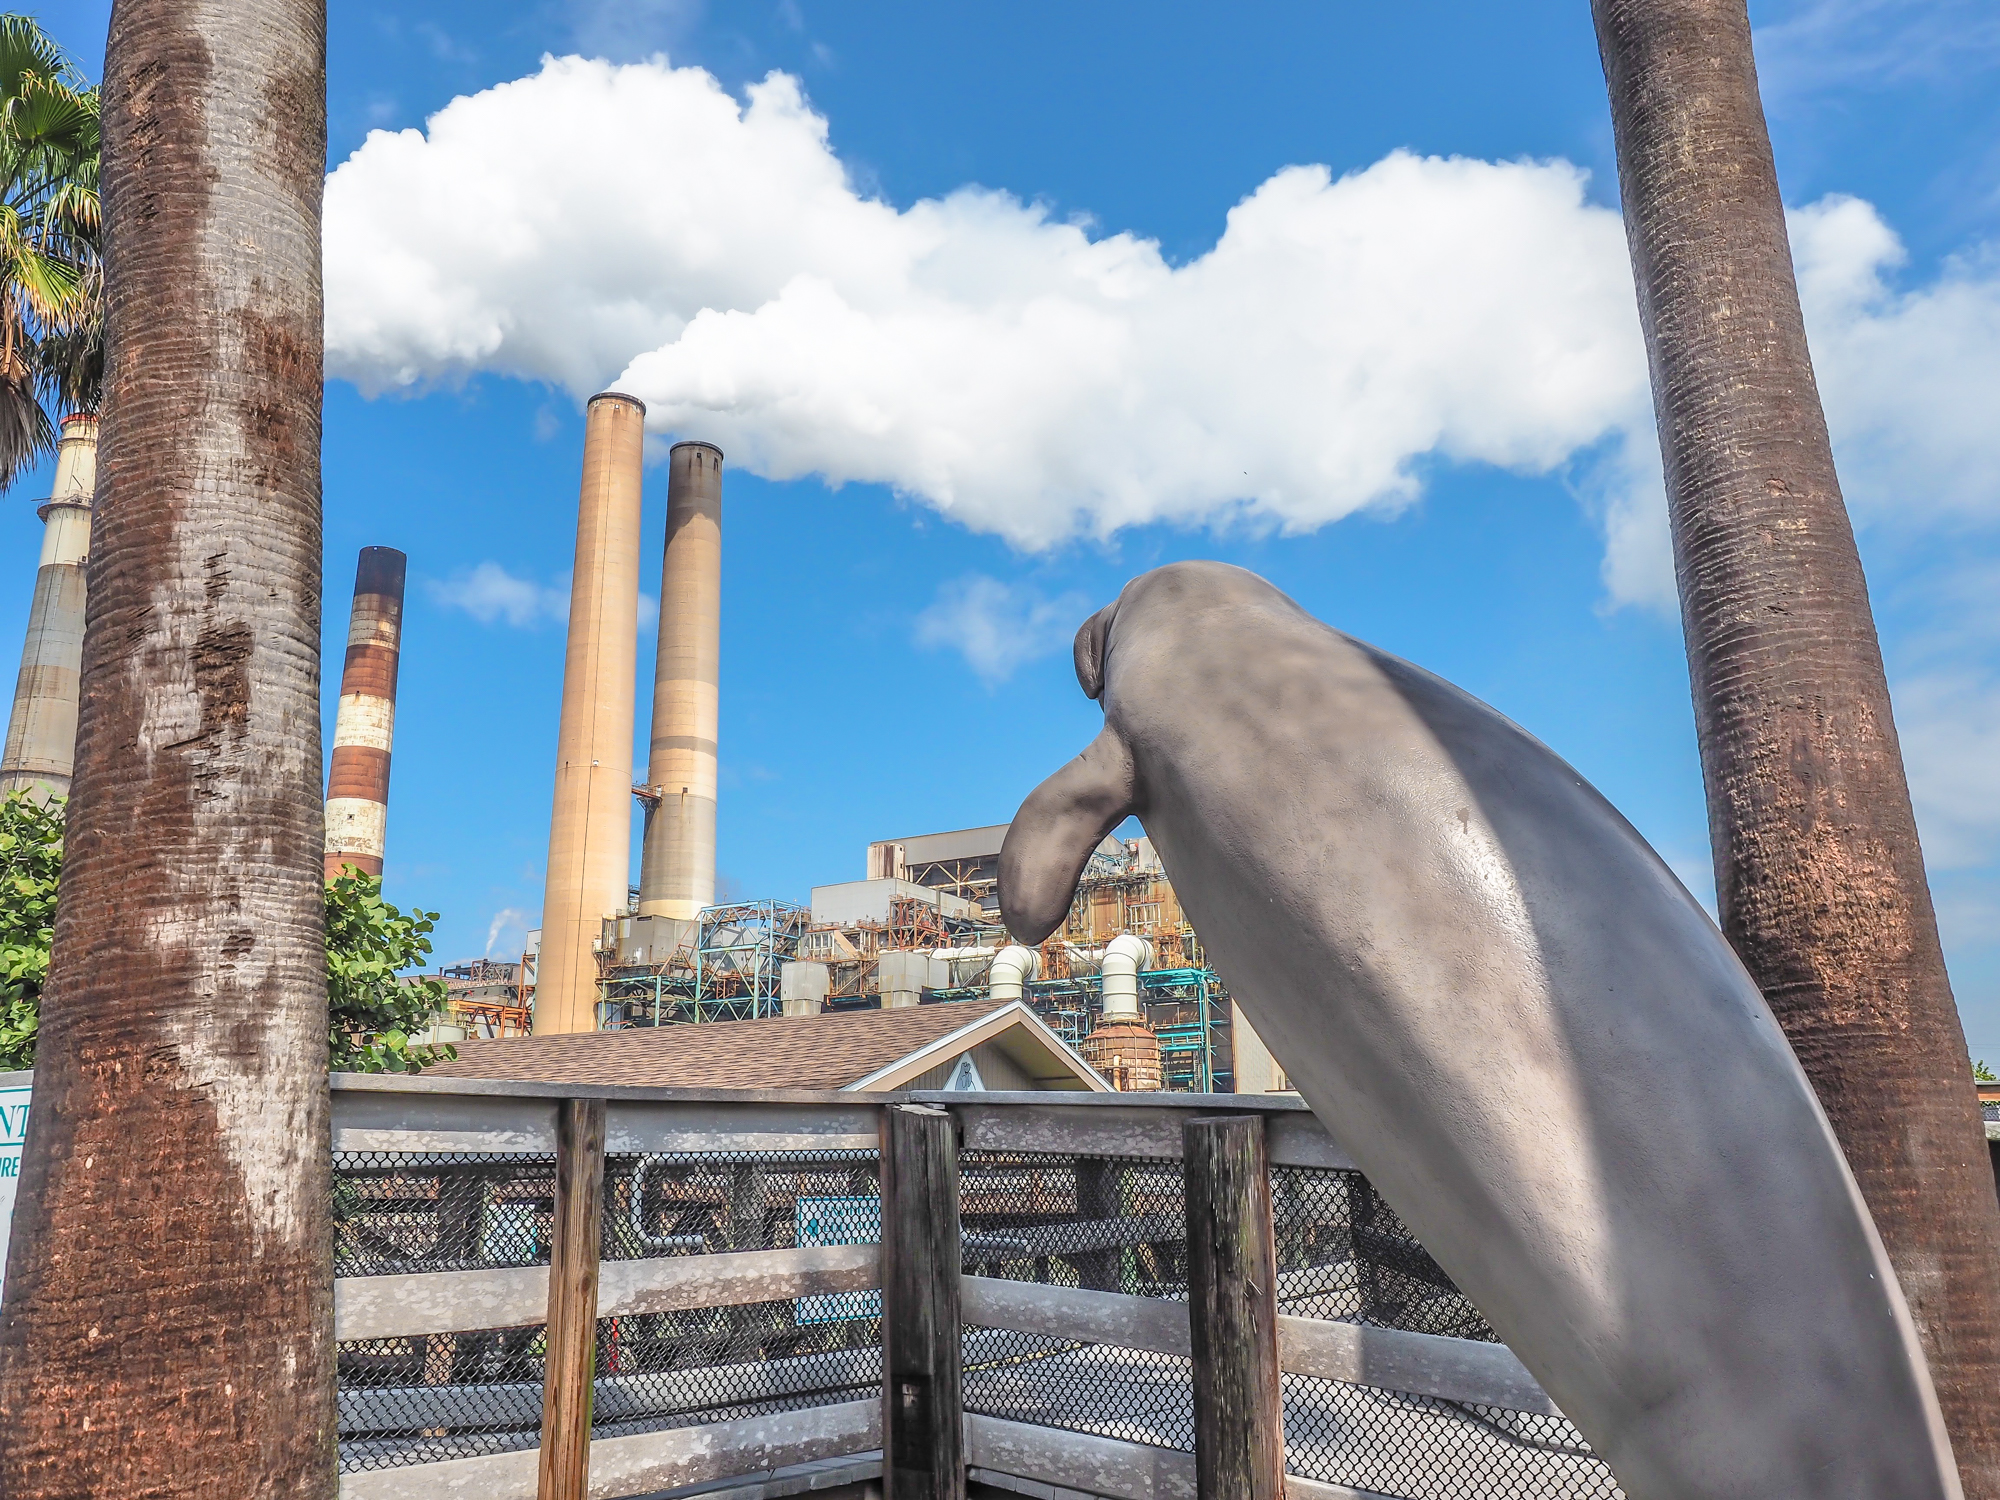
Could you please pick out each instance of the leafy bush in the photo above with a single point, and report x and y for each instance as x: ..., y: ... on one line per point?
x: 31, y: 842
x: 371, y: 1013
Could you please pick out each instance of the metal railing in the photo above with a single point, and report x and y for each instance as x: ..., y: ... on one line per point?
x: 732, y: 1284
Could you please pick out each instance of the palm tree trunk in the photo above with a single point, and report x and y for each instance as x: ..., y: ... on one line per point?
x: 167, y: 1323
x: 1819, y: 877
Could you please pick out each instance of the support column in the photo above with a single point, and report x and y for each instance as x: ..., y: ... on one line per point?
x: 364, y: 728
x: 1239, y: 1414
x: 923, y: 1406
x: 677, y: 874
x: 590, y: 827
x: 570, y: 1372
x: 41, y: 733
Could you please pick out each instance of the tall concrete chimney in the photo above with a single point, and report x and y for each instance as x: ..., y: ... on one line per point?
x: 590, y: 832
x: 677, y: 874
x: 357, y: 779
x: 41, y: 734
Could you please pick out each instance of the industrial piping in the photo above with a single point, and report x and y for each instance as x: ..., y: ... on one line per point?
x: 40, y: 751
x: 357, y: 777
x: 1124, y: 956
x: 677, y: 868
x: 1014, y: 968
x: 590, y: 825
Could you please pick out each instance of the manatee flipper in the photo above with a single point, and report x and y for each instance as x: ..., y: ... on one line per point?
x: 1051, y: 838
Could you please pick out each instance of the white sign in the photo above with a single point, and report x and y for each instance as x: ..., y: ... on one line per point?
x: 13, y: 1134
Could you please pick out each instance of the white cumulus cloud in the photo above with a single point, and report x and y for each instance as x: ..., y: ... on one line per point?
x: 595, y: 224
x: 998, y: 626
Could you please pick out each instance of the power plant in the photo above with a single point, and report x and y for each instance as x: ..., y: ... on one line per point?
x: 357, y: 779
x: 1124, y: 981
x: 41, y: 733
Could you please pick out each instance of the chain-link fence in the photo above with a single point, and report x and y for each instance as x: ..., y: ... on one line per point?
x: 1115, y: 1224
x: 395, y: 1212
x: 1119, y: 1224
x: 1423, y: 1448
x: 1133, y: 1394
x: 428, y: 1397
x: 715, y: 1364
x: 695, y: 1203
x: 1107, y: 1223
x: 1344, y: 1256
x: 451, y: 1395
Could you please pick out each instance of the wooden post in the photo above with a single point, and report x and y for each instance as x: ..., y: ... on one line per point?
x: 923, y: 1426
x: 567, y: 1381
x: 1239, y: 1415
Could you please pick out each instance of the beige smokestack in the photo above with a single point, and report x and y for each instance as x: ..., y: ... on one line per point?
x: 41, y: 734
x: 357, y: 779
x: 590, y: 832
x: 677, y: 874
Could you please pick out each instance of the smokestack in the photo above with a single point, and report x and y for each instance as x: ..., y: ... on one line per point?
x: 357, y: 780
x: 590, y: 832
x: 677, y: 872
x: 41, y: 734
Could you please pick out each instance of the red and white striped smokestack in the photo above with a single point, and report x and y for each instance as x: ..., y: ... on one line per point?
x: 357, y: 781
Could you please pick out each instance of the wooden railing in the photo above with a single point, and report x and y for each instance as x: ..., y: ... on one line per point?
x: 1009, y: 1378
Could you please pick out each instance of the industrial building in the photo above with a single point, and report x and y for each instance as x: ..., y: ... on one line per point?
x: 1124, y: 982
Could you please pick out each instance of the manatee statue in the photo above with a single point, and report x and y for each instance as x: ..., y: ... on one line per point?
x: 1523, y: 1028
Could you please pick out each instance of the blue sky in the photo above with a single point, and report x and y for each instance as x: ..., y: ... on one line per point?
x: 992, y: 305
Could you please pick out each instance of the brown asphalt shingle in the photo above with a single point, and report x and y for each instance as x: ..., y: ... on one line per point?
x: 826, y: 1051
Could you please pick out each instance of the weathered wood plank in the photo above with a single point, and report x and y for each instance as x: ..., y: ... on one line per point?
x: 652, y: 1461
x: 491, y: 1476
x: 1078, y: 1461
x: 375, y: 1307
x: 1100, y: 1131
x: 729, y: 1280
x: 364, y: 1121
x: 1069, y: 1312
x: 1296, y: 1138
x: 725, y: 1128
x: 382, y: 1307
x: 645, y: 1463
x: 1422, y: 1364
x: 923, y: 1441
x: 1239, y: 1415
x: 1299, y: 1140
x: 572, y: 1316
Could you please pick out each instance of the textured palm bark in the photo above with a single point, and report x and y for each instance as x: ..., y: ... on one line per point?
x: 168, y: 1319
x: 1819, y: 876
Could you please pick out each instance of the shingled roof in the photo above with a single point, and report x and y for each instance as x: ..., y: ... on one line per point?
x: 830, y: 1051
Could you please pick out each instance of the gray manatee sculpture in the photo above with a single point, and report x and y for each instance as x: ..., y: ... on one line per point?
x: 1521, y: 1026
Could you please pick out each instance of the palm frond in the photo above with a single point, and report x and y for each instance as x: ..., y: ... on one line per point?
x: 27, y: 436
x: 27, y: 51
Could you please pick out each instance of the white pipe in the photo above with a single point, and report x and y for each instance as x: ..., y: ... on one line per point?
x: 957, y: 953
x: 1013, y: 967
x: 1124, y: 956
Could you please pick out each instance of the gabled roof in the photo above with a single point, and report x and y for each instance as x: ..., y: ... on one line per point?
x: 867, y: 1050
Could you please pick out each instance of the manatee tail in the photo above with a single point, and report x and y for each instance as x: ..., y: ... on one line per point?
x: 1050, y: 841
